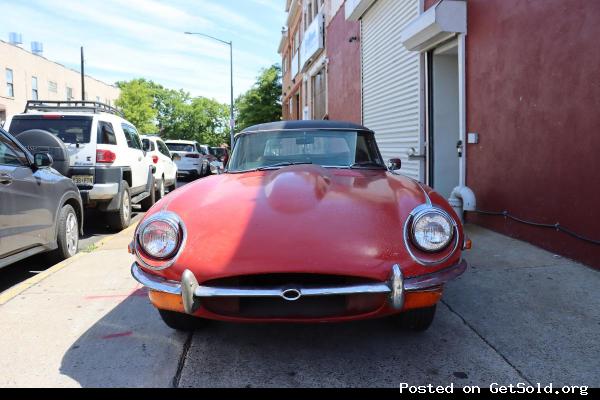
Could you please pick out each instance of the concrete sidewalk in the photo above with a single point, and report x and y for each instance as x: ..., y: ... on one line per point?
x: 518, y: 315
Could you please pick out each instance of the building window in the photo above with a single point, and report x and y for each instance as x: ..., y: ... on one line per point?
x: 10, y: 88
x: 319, y: 95
x: 34, y: 88
x: 52, y: 87
x: 97, y: 99
x: 69, y: 94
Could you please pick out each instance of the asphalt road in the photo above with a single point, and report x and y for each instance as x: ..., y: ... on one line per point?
x: 94, y: 230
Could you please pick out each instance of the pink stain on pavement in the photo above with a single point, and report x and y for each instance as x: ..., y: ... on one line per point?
x: 140, y: 292
x: 117, y: 335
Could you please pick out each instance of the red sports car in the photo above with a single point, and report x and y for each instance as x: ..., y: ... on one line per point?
x: 307, y: 224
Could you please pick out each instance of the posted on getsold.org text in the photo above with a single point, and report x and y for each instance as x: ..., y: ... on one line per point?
x: 496, y: 388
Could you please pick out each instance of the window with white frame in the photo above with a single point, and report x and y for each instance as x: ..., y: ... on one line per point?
x: 34, y: 88
x: 10, y: 86
x: 69, y: 94
x: 52, y: 87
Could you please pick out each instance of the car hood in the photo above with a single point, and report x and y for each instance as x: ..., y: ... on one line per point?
x: 298, y: 219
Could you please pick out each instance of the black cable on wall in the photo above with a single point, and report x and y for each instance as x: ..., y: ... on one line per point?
x: 556, y: 226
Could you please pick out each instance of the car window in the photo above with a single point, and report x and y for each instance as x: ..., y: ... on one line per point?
x: 202, y: 150
x: 133, y: 140
x: 181, y: 147
x: 148, y: 144
x: 69, y: 129
x: 10, y: 154
x: 106, y: 133
x: 163, y: 148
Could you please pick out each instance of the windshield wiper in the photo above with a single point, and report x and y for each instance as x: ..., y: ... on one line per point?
x: 282, y: 164
x: 367, y: 165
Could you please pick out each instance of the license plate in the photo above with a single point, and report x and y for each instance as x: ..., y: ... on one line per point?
x: 84, y: 180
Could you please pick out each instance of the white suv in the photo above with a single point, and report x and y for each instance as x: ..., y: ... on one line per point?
x: 192, y: 161
x: 98, y: 149
x: 165, y: 176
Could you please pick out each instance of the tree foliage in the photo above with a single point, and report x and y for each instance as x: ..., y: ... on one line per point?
x: 262, y: 103
x: 173, y: 114
x: 137, y: 103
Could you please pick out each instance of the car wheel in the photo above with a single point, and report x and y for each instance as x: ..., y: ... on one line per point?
x: 180, y: 321
x: 121, y: 219
x: 160, y: 191
x: 67, y: 235
x: 417, y: 320
x: 149, y: 201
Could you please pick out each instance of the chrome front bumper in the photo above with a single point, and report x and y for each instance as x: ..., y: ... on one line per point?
x: 192, y: 292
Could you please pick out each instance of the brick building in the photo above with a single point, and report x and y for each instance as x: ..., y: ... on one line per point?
x: 491, y: 102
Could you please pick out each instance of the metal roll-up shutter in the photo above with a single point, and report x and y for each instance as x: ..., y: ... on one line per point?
x: 391, y: 81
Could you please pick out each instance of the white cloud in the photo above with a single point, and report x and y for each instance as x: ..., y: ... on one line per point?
x: 122, y: 43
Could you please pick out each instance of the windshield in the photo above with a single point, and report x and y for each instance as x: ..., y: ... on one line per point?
x: 69, y: 129
x: 217, y: 151
x: 275, y: 149
x: 181, y: 147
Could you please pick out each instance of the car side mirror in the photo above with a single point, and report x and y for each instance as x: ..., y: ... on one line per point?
x: 395, y: 164
x: 146, y: 145
x: 42, y: 160
x: 175, y: 157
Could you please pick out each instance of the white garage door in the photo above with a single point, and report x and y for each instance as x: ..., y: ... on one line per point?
x: 391, y: 82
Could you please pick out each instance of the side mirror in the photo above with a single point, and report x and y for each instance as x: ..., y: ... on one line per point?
x: 146, y: 145
x: 395, y: 164
x: 175, y: 157
x: 42, y: 160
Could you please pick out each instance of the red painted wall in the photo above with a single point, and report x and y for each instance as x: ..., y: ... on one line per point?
x: 533, y: 95
x: 343, y: 78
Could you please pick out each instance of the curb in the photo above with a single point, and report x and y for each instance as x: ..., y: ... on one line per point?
x: 13, y: 292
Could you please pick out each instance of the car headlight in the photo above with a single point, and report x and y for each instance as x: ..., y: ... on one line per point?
x: 432, y: 230
x: 160, y: 237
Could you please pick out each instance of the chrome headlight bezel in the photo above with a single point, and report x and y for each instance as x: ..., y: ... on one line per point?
x: 429, y: 256
x: 155, y: 263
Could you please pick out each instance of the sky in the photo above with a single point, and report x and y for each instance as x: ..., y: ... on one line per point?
x: 126, y: 39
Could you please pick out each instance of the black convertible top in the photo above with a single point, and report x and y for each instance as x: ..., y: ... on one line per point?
x: 305, y: 124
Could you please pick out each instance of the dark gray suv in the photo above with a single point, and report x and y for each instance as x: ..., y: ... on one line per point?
x: 40, y: 209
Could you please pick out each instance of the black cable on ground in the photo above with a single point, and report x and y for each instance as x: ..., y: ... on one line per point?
x: 556, y: 226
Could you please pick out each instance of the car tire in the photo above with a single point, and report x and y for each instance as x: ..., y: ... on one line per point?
x: 160, y: 190
x: 149, y: 201
x: 417, y: 320
x: 67, y: 234
x: 121, y: 219
x: 181, y: 322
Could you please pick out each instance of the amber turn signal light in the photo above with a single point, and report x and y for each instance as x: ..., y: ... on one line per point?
x: 468, y: 244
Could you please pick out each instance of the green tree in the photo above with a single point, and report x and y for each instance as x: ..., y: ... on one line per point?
x: 208, y: 121
x: 137, y: 103
x: 173, y: 114
x: 262, y: 103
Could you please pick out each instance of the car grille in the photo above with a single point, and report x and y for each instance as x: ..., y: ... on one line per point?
x: 305, y: 307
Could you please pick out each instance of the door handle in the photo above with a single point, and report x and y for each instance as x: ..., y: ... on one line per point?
x: 5, y: 179
x: 139, y: 158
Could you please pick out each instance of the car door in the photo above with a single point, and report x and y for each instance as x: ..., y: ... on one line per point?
x: 26, y: 211
x: 139, y: 163
x: 168, y: 164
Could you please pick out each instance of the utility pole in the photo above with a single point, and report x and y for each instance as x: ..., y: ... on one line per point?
x: 82, y: 76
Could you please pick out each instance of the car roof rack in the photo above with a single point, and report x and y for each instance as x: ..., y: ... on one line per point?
x: 81, y: 106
